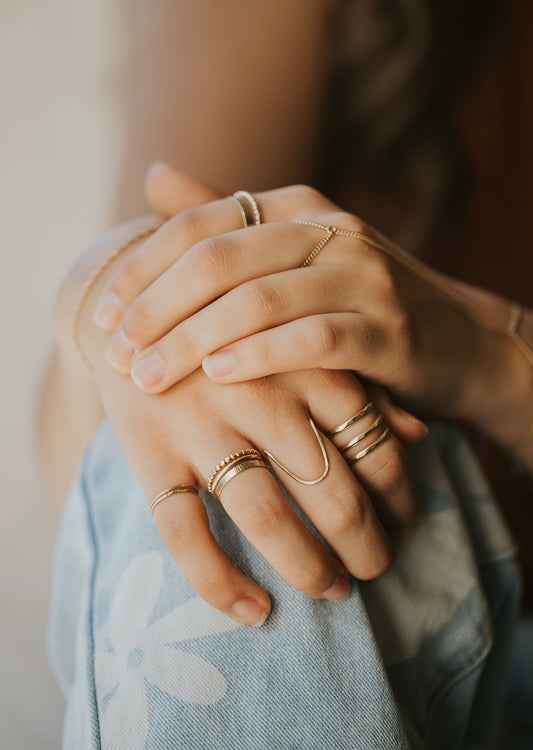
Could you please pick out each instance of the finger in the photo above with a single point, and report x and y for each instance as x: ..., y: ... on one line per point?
x: 384, y: 471
x: 256, y: 504
x: 407, y: 428
x: 183, y: 525
x: 180, y: 233
x: 158, y: 253
x: 330, y: 497
x: 170, y: 191
x: 343, y: 341
x: 253, y: 305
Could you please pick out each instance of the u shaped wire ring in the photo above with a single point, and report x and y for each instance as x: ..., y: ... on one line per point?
x: 296, y: 478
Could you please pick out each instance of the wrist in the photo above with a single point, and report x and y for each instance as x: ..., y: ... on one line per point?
x: 500, y: 391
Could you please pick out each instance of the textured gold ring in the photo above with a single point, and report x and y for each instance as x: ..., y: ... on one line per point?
x: 229, y: 461
x: 233, y: 470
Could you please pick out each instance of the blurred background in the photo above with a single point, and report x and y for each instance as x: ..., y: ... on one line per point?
x: 61, y: 67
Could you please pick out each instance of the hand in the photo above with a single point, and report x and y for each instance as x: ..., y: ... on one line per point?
x: 204, y: 290
x: 180, y: 435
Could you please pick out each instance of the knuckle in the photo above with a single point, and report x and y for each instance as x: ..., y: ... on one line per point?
x: 262, y: 300
x: 345, y: 220
x: 315, y: 579
x: 187, y: 226
x: 347, y: 512
x: 261, y: 515
x: 308, y: 196
x: 212, y: 586
x: 378, y: 568
x: 325, y: 336
x: 212, y: 258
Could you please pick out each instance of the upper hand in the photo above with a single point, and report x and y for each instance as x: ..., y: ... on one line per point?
x: 204, y: 290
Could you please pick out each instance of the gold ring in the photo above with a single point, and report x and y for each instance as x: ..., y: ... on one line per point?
x: 294, y: 476
x: 248, y: 207
x: 349, y: 422
x: 381, y: 439
x: 233, y: 470
x: 230, y: 461
x: 362, y: 435
x: 179, y: 489
x: 330, y: 232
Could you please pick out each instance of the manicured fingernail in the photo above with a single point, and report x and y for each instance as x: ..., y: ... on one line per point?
x: 120, y: 351
x: 221, y: 363
x: 250, y: 612
x: 339, y: 589
x: 149, y: 371
x: 108, y: 311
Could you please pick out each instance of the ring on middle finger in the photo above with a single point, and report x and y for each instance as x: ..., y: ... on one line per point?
x: 231, y: 466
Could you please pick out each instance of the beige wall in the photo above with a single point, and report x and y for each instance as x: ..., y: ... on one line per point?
x: 61, y: 65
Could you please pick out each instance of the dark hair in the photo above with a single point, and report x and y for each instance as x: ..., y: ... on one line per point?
x: 397, y: 65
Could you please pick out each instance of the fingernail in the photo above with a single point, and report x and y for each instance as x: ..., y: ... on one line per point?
x: 339, y: 589
x: 149, y: 371
x: 120, y: 351
x: 411, y: 418
x: 108, y: 311
x: 249, y: 612
x: 157, y: 166
x: 221, y: 363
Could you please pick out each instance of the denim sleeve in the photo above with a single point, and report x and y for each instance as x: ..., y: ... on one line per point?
x: 415, y: 659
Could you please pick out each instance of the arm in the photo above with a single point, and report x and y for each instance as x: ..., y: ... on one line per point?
x: 257, y: 70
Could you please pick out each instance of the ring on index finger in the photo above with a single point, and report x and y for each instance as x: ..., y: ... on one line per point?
x: 248, y: 208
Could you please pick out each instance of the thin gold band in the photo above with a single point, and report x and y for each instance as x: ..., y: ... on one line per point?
x: 359, y: 438
x: 234, y: 470
x: 349, y: 422
x: 179, y: 489
x: 381, y: 439
x: 294, y: 476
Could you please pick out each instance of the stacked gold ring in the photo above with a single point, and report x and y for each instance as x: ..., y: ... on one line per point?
x: 231, y: 466
x: 248, y: 207
x: 376, y: 425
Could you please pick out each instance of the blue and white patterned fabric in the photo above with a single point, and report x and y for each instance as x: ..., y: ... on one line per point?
x: 416, y: 659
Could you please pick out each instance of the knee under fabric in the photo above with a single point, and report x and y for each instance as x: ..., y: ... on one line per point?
x: 415, y: 659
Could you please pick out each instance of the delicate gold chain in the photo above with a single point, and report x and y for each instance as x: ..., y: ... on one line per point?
x: 90, y: 282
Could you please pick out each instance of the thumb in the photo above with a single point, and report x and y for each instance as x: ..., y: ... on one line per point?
x: 170, y: 191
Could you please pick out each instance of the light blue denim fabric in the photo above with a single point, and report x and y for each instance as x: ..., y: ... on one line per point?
x: 416, y: 659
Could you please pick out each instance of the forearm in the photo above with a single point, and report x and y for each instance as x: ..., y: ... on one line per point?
x: 70, y: 408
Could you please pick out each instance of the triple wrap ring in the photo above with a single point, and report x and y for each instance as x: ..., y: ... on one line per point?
x: 179, y: 489
x: 248, y: 208
x: 375, y: 426
x: 330, y: 232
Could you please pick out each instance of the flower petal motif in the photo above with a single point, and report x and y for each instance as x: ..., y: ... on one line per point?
x: 185, y: 676
x: 124, y: 723
x: 192, y: 619
x: 134, y: 602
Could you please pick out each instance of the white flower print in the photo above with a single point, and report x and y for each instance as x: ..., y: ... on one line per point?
x: 143, y: 652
